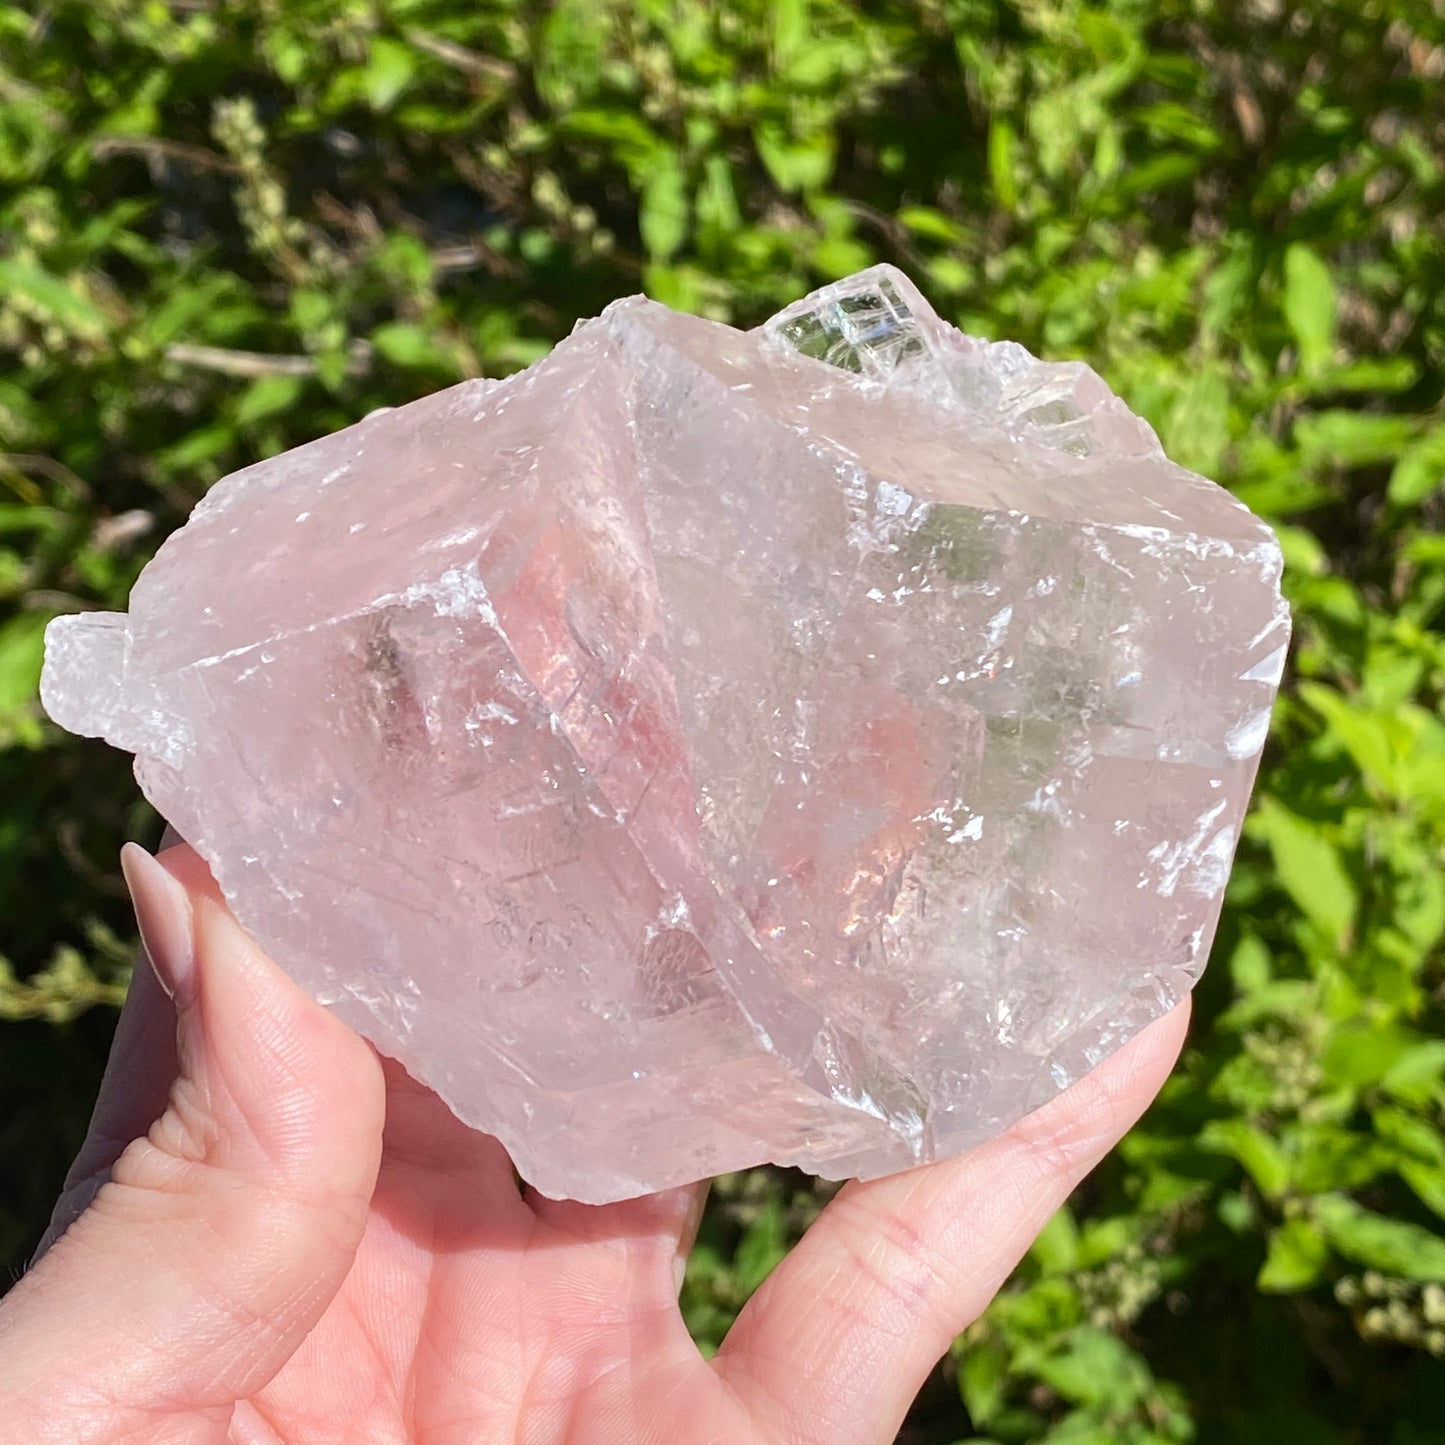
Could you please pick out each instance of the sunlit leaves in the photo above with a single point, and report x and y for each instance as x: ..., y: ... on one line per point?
x: 1309, y: 306
x: 1232, y: 210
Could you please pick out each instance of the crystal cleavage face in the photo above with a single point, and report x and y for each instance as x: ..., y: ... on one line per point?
x: 818, y: 744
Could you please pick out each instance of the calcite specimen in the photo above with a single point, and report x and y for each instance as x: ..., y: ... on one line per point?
x: 818, y: 744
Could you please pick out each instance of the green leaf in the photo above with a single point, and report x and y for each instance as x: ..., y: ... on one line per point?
x: 312, y: 310
x: 1309, y: 306
x: 718, y: 214
x: 267, y: 396
x: 19, y: 520
x: 839, y: 256
x: 983, y: 1381
x: 1262, y: 1158
x: 1157, y: 172
x: 288, y: 55
x: 822, y: 64
x: 1360, y: 1054
x: 1367, y: 374
x: 1352, y: 438
x: 196, y: 448
x: 1391, y: 676
x: 763, y: 1245
x: 1410, y: 1134
x: 663, y: 209
x: 1057, y: 1247
x: 1366, y: 736
x: 1002, y: 162
x: 931, y: 225
x: 331, y: 369
x: 792, y: 31
x: 796, y: 163
x: 22, y: 650
x: 1417, y: 1074
x: 1281, y: 998
x: 1198, y: 430
x: 1328, y: 1158
x: 1249, y: 964
x: 1044, y: 1308
x: 1096, y: 1367
x: 407, y: 257
x: 1428, y: 1182
x: 577, y: 37
x: 1393, y: 1246
x: 1295, y: 1259
x: 1104, y: 1239
x: 404, y: 343
x: 389, y: 70
x: 1309, y: 867
x: 625, y: 133
x: 1173, y: 120
x: 1420, y: 472
x: 51, y: 297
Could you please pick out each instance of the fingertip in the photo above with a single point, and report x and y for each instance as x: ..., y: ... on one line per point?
x: 163, y: 915
x: 1153, y: 1052
x: 1068, y: 1135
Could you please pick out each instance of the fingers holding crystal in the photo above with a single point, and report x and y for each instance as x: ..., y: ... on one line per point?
x: 836, y: 1344
x: 224, y: 1230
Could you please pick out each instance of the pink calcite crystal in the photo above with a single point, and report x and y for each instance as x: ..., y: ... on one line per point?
x: 818, y: 744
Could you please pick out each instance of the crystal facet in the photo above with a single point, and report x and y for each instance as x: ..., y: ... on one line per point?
x: 818, y: 744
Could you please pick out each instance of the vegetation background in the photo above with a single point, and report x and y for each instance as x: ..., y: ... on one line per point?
x: 227, y: 226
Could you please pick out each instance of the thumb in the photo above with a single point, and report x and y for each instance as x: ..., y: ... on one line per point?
x: 222, y: 1235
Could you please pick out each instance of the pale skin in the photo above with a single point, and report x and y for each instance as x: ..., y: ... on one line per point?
x: 274, y: 1237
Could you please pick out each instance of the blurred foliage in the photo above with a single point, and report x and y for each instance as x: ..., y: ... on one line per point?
x: 227, y: 226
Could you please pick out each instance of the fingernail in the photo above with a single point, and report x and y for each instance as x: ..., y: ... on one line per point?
x: 163, y: 914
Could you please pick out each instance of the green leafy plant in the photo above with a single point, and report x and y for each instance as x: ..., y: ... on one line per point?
x: 227, y: 228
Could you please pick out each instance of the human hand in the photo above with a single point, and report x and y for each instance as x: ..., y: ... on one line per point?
x: 273, y: 1237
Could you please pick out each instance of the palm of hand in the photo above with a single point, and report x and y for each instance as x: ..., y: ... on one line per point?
x: 472, y: 1313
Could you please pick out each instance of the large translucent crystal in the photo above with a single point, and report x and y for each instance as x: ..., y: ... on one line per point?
x: 818, y: 744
